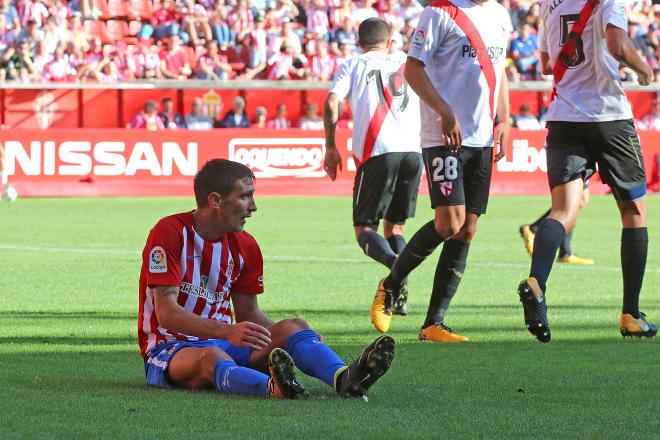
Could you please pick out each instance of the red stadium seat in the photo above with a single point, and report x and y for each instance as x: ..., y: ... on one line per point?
x: 140, y: 9
x: 116, y: 29
x: 96, y: 29
x: 115, y: 9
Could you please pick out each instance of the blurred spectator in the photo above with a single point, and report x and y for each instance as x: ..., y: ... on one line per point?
x: 32, y: 34
x: 284, y: 65
x: 236, y: 117
x: 524, y: 51
x: 345, y: 9
x: 526, y: 120
x: 345, y: 35
x: 94, y: 60
x: 171, y: 119
x: 317, y: 18
x: 164, y: 22
x: 260, y: 118
x: 280, y: 122
x: 174, y: 63
x: 212, y: 65
x: 311, y: 119
x: 12, y: 21
x: 392, y: 16
x: 652, y: 120
x: 196, y: 24
x: 364, y: 10
x: 147, y: 63
x: 322, y: 66
x: 196, y: 120
x: 60, y: 68
x: 222, y: 32
x: 148, y: 118
x: 259, y: 43
x: 7, y: 35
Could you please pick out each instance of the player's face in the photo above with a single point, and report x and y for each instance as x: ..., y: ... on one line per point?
x: 237, y: 207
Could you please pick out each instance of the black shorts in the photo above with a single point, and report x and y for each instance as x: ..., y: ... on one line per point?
x: 575, y: 148
x: 386, y: 187
x: 459, y: 178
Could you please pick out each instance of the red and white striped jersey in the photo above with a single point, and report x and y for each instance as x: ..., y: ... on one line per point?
x: 463, y: 46
x: 206, y: 272
x: 385, y: 109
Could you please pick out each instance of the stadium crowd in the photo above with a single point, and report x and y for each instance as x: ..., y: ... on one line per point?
x: 123, y: 40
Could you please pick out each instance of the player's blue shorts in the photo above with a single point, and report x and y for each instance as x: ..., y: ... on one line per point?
x: 158, y: 358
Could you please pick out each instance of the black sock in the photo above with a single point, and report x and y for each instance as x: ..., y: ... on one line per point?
x: 534, y: 226
x: 448, y: 274
x: 420, y: 246
x: 548, y: 238
x: 634, y: 248
x: 375, y: 246
x: 565, y: 246
x: 397, y: 243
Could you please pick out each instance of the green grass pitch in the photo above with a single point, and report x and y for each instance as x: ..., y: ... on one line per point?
x: 70, y: 368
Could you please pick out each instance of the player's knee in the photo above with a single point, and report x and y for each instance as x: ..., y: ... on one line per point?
x: 294, y: 325
x: 207, y: 360
x: 447, y: 229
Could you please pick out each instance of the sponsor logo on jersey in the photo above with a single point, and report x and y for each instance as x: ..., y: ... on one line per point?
x: 495, y: 53
x: 446, y: 188
x: 419, y: 37
x: 621, y: 9
x: 210, y: 295
x: 157, y: 260
x: 280, y: 157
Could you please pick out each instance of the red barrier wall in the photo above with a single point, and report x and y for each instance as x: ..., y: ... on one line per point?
x: 139, y: 162
x: 30, y: 109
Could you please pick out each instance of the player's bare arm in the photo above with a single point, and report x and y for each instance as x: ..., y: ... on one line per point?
x: 332, y: 158
x: 246, y: 308
x: 623, y: 50
x: 501, y: 135
x: 546, y: 63
x: 421, y: 83
x: 175, y: 318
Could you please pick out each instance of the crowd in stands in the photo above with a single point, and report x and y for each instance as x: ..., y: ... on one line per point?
x: 123, y: 40
x: 198, y: 119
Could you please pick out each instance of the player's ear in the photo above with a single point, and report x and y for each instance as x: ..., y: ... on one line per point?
x: 215, y: 200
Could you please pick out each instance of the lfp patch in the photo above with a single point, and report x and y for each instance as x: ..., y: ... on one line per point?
x: 157, y: 260
x: 419, y: 37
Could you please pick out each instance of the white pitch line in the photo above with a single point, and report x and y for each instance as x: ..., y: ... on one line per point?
x: 299, y: 259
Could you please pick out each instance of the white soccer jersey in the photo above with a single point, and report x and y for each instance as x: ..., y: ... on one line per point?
x: 463, y: 46
x: 590, y: 89
x: 385, y: 109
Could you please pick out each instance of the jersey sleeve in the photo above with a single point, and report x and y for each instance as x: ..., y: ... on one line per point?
x: 251, y: 278
x: 541, y: 38
x: 163, y: 255
x: 342, y: 83
x: 614, y: 13
x: 431, y: 30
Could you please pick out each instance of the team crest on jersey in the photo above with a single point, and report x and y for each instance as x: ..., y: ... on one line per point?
x: 157, y: 260
x: 621, y: 9
x: 419, y: 37
x: 446, y: 188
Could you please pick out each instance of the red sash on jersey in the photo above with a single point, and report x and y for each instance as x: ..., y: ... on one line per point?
x: 376, y: 124
x: 559, y: 69
x: 471, y: 32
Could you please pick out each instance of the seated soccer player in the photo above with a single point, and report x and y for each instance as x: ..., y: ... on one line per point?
x: 195, y: 266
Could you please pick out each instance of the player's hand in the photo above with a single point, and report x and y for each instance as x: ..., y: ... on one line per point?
x: 644, y: 78
x: 248, y: 334
x: 451, y: 130
x: 331, y: 161
x: 501, y: 136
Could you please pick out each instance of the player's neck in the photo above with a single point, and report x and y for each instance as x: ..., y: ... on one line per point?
x: 479, y: 2
x: 205, y: 228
